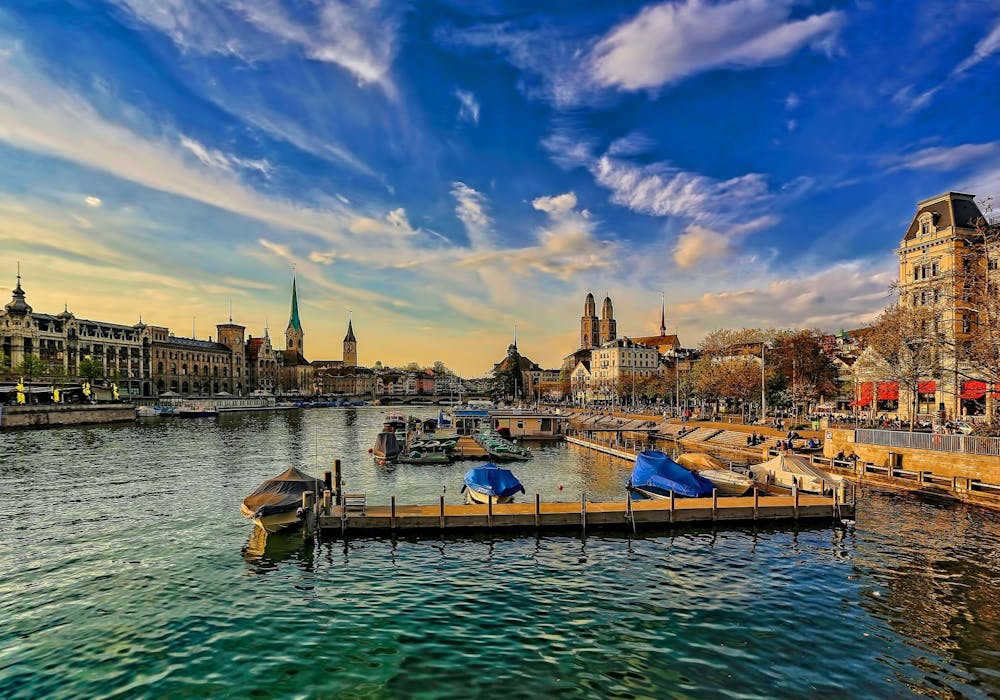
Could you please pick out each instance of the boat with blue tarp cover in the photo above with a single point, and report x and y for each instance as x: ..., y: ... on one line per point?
x: 655, y: 475
x: 491, y: 483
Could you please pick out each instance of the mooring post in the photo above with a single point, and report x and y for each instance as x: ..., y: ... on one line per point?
x: 489, y: 511
x: 442, y: 511
x: 308, y: 512
x: 392, y: 513
x: 756, y: 501
x: 583, y: 512
x: 327, y: 498
x: 538, y: 510
x: 671, y: 506
x: 715, y: 504
x: 795, y: 496
x: 628, y: 508
x: 328, y: 480
x: 338, y: 482
x: 822, y: 487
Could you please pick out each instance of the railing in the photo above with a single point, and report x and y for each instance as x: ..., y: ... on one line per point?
x: 969, y: 444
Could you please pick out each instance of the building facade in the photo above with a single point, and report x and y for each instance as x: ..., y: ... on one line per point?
x: 617, y: 364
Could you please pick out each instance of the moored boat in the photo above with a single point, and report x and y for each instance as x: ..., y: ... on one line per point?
x: 197, y: 409
x: 786, y: 471
x: 655, y: 475
x: 491, y: 483
x: 275, y: 504
x: 726, y: 481
x: 387, y: 448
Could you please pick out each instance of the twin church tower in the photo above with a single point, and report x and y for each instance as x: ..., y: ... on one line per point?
x: 595, y: 332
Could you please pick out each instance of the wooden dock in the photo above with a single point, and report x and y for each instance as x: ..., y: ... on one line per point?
x: 364, y: 520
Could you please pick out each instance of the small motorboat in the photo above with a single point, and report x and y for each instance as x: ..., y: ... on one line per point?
x: 275, y: 504
x: 655, y: 475
x: 387, y: 448
x: 491, y: 483
x: 786, y: 470
x: 424, y: 455
x: 726, y: 481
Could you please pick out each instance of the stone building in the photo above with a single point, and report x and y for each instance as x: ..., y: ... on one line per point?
x: 935, y: 254
x: 262, y: 363
x: 617, y: 363
x: 194, y: 367
x: 63, y: 341
x: 350, y: 346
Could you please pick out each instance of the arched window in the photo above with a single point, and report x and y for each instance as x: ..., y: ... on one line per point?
x: 159, y: 368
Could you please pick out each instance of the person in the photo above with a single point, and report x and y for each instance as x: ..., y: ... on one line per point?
x: 749, y: 440
x: 840, y: 456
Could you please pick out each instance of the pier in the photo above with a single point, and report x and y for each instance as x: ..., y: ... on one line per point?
x: 360, y: 519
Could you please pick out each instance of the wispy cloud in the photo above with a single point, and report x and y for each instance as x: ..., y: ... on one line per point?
x: 944, y: 157
x: 671, y: 41
x: 214, y: 158
x: 471, y: 210
x: 468, y: 106
x: 984, y: 48
x: 697, y: 244
x: 360, y: 37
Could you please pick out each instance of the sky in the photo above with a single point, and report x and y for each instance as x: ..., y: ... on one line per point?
x: 445, y: 170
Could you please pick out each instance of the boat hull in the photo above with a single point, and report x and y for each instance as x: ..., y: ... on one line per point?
x: 728, y: 483
x: 276, y: 522
x: 473, y: 496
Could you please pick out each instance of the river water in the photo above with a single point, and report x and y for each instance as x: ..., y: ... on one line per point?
x: 124, y: 572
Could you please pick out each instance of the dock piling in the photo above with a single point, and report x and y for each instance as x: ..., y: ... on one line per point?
x: 489, y: 511
x: 392, y: 513
x: 583, y: 513
x: 628, y: 509
x: 795, y: 496
x: 442, y: 512
x: 671, y: 507
x: 338, y: 482
x: 715, y: 504
x: 756, y: 502
x: 538, y: 510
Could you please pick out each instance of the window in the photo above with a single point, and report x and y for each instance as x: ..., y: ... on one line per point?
x: 925, y: 228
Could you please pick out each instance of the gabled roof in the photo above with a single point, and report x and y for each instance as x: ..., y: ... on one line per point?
x: 949, y: 209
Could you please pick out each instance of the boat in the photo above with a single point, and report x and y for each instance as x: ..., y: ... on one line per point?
x: 197, y: 409
x: 394, y: 423
x: 491, y: 483
x: 275, y: 504
x: 387, y: 447
x: 786, y: 471
x: 727, y: 482
x: 655, y: 475
x: 420, y: 455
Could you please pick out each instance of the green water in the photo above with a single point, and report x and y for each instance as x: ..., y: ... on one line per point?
x: 123, y: 574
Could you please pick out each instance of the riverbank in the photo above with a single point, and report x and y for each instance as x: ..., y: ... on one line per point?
x: 61, y: 415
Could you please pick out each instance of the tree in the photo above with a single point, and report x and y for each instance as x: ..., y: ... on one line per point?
x: 30, y: 367
x: 90, y: 369
x: 908, y: 342
x: 507, y: 382
x: 808, y: 371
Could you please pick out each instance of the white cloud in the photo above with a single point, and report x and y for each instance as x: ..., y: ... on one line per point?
x: 38, y: 115
x: 697, y: 244
x: 945, y: 158
x: 214, y: 158
x: 82, y: 221
x: 663, y: 190
x: 792, y: 101
x: 394, y: 223
x: 471, y: 210
x: 668, y: 42
x: 985, y: 47
x: 555, y: 205
x: 360, y: 37
x: 468, y: 106
x: 92, y: 201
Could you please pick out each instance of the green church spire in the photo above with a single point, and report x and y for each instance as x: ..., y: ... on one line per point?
x: 294, y: 322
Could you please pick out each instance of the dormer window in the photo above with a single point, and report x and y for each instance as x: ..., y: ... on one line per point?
x: 926, y: 224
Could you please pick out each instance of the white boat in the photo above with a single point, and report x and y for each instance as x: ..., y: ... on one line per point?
x: 726, y: 481
x: 788, y: 470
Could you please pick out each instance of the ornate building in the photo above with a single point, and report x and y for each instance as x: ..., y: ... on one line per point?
x: 609, y: 327
x: 263, y: 363
x: 63, y: 341
x: 190, y: 366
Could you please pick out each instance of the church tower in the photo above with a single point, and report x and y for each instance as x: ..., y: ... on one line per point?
x: 589, y: 329
x: 350, y: 346
x: 663, y: 317
x: 294, y: 335
x: 609, y: 328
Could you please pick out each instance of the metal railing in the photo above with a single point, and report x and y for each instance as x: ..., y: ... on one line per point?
x: 968, y: 444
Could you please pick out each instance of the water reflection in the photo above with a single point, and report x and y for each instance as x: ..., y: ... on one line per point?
x: 265, y: 552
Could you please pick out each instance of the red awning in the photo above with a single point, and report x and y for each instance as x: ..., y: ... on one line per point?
x: 865, y: 392
x: 973, y: 389
x: 927, y: 387
x: 995, y: 394
x: 889, y: 391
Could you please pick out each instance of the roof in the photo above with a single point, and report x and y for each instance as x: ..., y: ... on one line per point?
x: 195, y: 344
x: 625, y: 342
x: 292, y: 358
x: 948, y: 209
x: 293, y: 320
x: 349, y: 338
x: 658, y: 340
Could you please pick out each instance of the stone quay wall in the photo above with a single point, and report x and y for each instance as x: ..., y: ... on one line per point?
x: 50, y: 416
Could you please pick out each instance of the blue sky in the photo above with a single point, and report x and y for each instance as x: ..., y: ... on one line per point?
x: 445, y: 169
